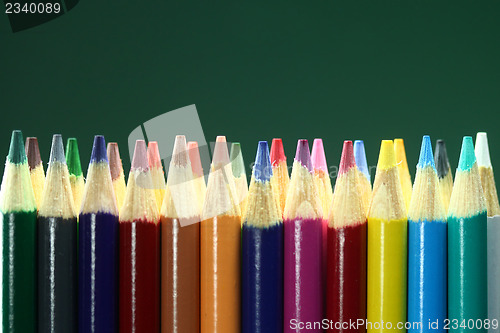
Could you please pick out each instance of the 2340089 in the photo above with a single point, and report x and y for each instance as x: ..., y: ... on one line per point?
x: 32, y: 8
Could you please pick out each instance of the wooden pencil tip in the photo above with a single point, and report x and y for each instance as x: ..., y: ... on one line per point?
x: 262, y: 169
x: 57, y: 149
x: 426, y: 157
x: 154, y: 158
x: 360, y: 158
x: 399, y: 148
x: 482, y: 150
x: 318, y: 156
x: 99, y: 150
x: 441, y: 159
x: 115, y: 162
x: 236, y: 158
x: 73, y: 157
x: 303, y: 155
x: 140, y: 159
x: 277, y: 151
x: 467, y: 155
x: 194, y: 157
x: 33, y: 152
x: 221, y: 154
x: 387, y: 156
x: 347, y: 160
x: 180, y: 153
x: 17, y: 154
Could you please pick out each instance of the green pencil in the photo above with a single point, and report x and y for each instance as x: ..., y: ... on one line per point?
x: 18, y: 219
x: 467, y: 270
x: 75, y: 172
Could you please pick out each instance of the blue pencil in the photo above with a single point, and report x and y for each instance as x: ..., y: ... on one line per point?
x: 427, y: 261
x: 98, y: 248
x: 262, y: 249
x: 363, y: 172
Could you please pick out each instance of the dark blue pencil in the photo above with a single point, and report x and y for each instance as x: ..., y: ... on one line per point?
x: 262, y: 249
x: 98, y: 248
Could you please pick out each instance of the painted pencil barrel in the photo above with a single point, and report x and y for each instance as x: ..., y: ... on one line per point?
x: 139, y: 287
x: 467, y: 271
x: 180, y: 277
x: 494, y: 270
x: 19, y: 271
x: 386, y: 288
x: 427, y: 266
x: 346, y: 276
x: 262, y: 279
x: 98, y: 273
x: 220, y: 275
x: 57, y: 275
x: 303, y: 301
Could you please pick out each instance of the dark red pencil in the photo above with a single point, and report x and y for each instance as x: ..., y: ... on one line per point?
x: 139, y: 298
x: 346, y: 273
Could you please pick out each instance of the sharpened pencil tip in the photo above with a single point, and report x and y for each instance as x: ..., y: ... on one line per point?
x: 115, y: 162
x: 73, y: 157
x: 277, y: 151
x: 195, y: 159
x: 140, y: 159
x: 236, y: 157
x: 467, y: 155
x: 318, y: 156
x: 99, y: 153
x: 347, y: 160
x: 221, y: 154
x: 17, y: 154
x: 303, y: 155
x: 262, y: 169
x: 482, y: 150
x: 57, y: 150
x: 360, y: 157
x: 441, y: 159
x: 154, y: 158
x: 426, y: 157
x: 33, y: 152
x: 180, y: 155
x: 387, y: 156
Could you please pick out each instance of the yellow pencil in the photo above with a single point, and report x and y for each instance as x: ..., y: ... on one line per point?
x: 404, y: 172
x: 387, y: 247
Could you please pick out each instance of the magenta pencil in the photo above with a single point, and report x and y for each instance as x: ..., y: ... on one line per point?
x: 303, y: 293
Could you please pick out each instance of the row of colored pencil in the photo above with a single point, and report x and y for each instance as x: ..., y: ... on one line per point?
x: 277, y: 256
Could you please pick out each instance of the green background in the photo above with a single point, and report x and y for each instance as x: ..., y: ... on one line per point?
x: 256, y: 70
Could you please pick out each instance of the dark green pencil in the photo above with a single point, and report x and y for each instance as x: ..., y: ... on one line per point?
x: 18, y: 220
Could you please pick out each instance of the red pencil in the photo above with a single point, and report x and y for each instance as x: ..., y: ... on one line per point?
x: 139, y: 298
x: 346, y: 274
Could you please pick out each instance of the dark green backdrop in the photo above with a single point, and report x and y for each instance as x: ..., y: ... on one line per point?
x: 255, y: 70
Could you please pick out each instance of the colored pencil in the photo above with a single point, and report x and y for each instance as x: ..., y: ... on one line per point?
x: 493, y: 234
x: 220, y: 248
x: 18, y: 220
x: 303, y: 224
x: 280, y: 177
x: 139, y: 258
x: 404, y: 172
x: 57, y: 248
x: 262, y: 252
x: 36, y: 168
x: 117, y: 175
x: 240, y: 176
x: 98, y: 247
x: 346, y: 274
x: 198, y: 174
x: 75, y: 172
x: 364, y: 172
x: 387, y: 240
x: 444, y: 173
x: 426, y: 247
x: 180, y: 227
x: 467, y: 249
x: 322, y: 178
x: 157, y: 174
